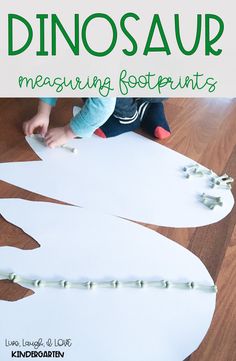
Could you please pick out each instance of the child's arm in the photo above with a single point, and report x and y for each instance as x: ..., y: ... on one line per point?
x: 41, y: 119
x: 94, y: 113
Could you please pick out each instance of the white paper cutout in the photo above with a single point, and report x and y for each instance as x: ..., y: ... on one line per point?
x: 114, y: 325
x: 76, y: 110
x: 129, y: 176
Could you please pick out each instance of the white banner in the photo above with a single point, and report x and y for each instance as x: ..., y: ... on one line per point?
x: 125, y: 48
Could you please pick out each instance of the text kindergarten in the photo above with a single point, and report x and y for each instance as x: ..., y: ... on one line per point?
x: 205, y: 29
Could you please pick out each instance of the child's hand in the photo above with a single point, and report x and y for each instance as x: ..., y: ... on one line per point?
x: 56, y: 137
x: 40, y: 121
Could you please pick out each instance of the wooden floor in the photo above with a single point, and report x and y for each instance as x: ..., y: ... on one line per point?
x: 202, y: 129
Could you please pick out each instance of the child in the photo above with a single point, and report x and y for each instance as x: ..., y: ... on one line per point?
x: 106, y: 117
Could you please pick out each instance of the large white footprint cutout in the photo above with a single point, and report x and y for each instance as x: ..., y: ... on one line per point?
x: 104, y: 324
x: 129, y: 176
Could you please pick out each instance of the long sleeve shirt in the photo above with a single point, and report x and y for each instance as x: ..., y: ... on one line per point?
x: 93, y: 114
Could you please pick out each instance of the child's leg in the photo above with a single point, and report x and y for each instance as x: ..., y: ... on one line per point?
x: 124, y: 119
x: 115, y: 126
x: 153, y: 119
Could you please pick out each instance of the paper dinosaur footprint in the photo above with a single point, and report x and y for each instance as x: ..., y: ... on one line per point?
x: 122, y: 324
x: 129, y: 176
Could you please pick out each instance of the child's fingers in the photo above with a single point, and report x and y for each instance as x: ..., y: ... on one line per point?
x: 31, y: 128
x: 51, y: 144
x: 44, y: 130
x: 27, y: 128
x: 49, y: 140
x: 48, y: 137
x: 48, y: 134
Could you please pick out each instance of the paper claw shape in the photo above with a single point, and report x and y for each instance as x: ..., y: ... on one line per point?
x: 128, y: 176
x: 117, y: 324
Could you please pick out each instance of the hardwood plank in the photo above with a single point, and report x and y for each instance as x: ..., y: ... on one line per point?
x: 220, y: 343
